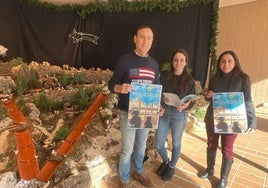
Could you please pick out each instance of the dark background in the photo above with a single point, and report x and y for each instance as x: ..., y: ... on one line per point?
x: 38, y: 34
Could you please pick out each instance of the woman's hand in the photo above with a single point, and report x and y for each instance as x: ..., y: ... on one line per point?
x: 165, y: 99
x: 209, y: 94
x: 183, y: 105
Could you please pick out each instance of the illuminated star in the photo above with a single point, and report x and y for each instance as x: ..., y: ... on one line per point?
x: 79, y: 36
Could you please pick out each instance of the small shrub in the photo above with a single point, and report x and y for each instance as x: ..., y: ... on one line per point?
x: 16, y: 61
x: 62, y: 133
x: 81, y: 98
x: 199, y: 113
x: 33, y: 80
x: 22, y: 84
x: 166, y: 67
x: 65, y: 79
x: 56, y: 105
x: 22, y: 106
x: 42, y: 103
x: 10, y: 164
x: 2, y: 157
x: 79, y: 78
x: 3, y: 112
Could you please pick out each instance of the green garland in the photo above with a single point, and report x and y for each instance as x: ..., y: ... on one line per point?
x: 213, y: 39
x: 116, y: 6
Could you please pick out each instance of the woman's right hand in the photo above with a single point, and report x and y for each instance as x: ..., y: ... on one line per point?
x: 209, y: 94
x: 165, y: 99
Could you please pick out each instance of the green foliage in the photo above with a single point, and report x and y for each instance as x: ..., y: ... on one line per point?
x: 62, y: 133
x: 214, y: 33
x: 3, y: 112
x: 166, y: 66
x: 22, y: 84
x: 81, y: 98
x: 2, y: 156
x: 199, y: 113
x: 10, y: 163
x: 94, y: 92
x: 65, y: 79
x: 116, y: 6
x: 56, y: 105
x: 44, y: 104
x: 189, y: 69
x: 79, y: 78
x: 106, y: 77
x: 22, y: 106
x: 16, y: 61
x: 33, y: 80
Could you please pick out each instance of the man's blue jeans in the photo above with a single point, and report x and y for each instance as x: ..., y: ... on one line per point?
x: 176, y: 122
x: 133, y: 140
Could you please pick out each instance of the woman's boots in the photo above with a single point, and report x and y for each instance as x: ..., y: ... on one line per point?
x: 225, y: 170
x: 211, y: 157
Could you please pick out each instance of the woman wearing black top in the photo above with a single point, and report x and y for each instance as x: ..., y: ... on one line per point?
x: 177, y: 81
x: 229, y: 77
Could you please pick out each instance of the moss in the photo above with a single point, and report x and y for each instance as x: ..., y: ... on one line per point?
x: 62, y: 133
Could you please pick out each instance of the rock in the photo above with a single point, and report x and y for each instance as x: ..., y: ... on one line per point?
x: 8, y: 180
x: 7, y: 85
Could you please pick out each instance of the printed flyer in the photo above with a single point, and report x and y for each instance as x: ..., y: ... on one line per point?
x: 174, y: 100
x: 144, y: 105
x: 229, y: 113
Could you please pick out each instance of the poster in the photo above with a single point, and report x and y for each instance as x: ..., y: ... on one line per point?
x: 144, y: 105
x: 229, y: 113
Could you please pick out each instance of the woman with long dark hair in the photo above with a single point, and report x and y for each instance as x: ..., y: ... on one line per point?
x: 229, y: 77
x: 177, y: 81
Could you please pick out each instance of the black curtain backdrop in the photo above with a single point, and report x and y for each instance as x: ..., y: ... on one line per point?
x: 37, y: 34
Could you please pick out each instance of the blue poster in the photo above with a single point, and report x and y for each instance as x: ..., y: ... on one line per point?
x: 144, y: 105
x: 229, y: 113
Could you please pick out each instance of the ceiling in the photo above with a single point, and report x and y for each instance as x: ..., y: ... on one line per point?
x: 223, y: 3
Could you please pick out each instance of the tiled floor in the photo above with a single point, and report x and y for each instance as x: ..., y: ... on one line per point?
x: 250, y: 168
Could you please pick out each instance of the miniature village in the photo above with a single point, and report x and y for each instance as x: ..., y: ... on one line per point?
x: 53, y: 101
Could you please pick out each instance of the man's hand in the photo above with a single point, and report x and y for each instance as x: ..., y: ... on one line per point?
x: 161, y: 111
x: 123, y: 88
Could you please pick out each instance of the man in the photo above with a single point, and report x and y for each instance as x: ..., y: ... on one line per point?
x: 137, y: 67
x: 135, y: 121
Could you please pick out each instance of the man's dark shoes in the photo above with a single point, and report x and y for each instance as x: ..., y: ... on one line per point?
x: 161, y: 169
x: 123, y: 184
x: 145, y: 181
x: 168, y: 173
